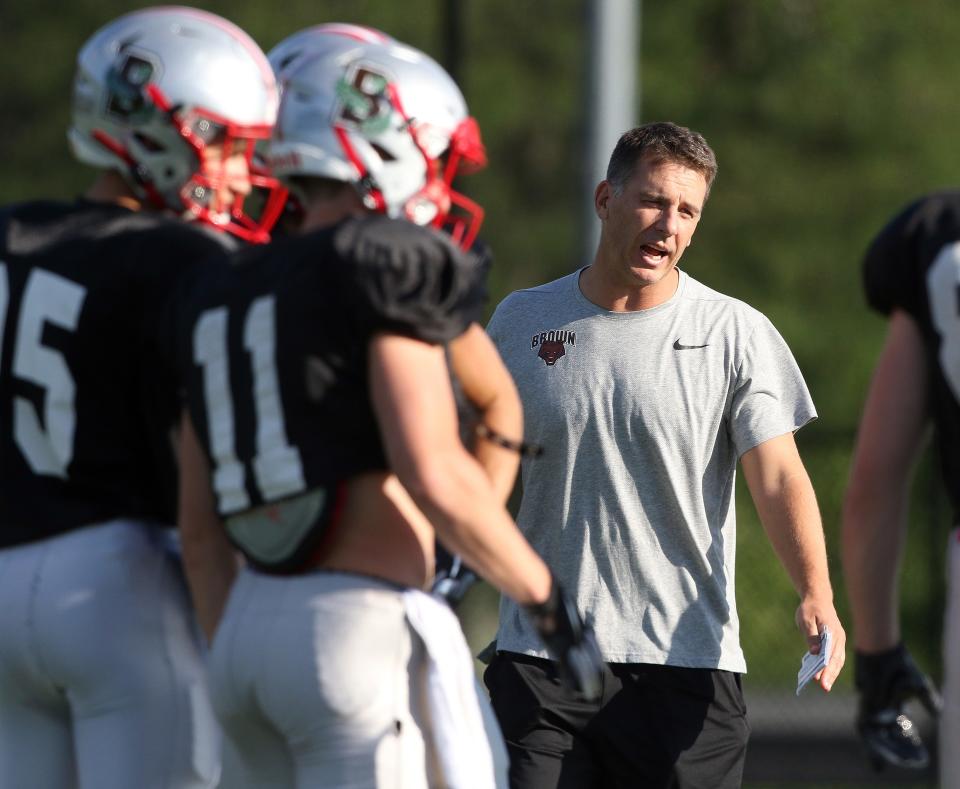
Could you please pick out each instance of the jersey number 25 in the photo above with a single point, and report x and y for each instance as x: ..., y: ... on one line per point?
x: 47, y: 445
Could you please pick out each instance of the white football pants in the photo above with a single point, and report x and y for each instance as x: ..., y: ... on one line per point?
x: 101, y: 680
x: 319, y: 681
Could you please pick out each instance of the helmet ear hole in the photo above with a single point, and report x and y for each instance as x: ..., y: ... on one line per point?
x: 383, y: 153
x: 148, y: 143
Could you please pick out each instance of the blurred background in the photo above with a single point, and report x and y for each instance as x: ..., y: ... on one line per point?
x: 826, y: 117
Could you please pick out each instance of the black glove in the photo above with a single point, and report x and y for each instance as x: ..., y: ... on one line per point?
x: 569, y: 640
x: 453, y: 578
x: 886, y: 680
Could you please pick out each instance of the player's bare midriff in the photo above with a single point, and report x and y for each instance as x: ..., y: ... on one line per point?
x: 382, y: 533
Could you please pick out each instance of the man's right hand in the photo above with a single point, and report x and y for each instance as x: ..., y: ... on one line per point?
x: 886, y: 680
x: 569, y: 640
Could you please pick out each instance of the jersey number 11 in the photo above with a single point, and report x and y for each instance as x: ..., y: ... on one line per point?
x: 277, y: 468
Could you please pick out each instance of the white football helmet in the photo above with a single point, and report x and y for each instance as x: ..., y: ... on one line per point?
x: 361, y: 107
x: 289, y: 53
x: 154, y: 88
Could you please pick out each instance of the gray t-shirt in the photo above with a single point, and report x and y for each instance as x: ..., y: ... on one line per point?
x: 642, y: 416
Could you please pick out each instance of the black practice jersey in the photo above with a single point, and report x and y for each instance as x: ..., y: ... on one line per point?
x: 274, y: 351
x: 914, y: 265
x: 86, y: 401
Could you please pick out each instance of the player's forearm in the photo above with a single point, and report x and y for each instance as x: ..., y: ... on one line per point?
x: 500, y: 464
x: 891, y: 434
x: 483, y: 532
x: 209, y: 560
x: 874, y: 529
x: 210, y: 564
x: 489, y: 387
x: 410, y: 390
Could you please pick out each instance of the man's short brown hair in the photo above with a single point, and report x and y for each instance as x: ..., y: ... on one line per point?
x: 660, y: 142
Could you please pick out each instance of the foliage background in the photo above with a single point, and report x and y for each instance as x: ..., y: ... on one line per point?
x: 825, y: 116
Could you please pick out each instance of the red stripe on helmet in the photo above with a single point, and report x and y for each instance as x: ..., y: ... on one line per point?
x: 368, y: 35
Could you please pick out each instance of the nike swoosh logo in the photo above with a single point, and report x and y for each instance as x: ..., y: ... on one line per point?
x: 678, y: 347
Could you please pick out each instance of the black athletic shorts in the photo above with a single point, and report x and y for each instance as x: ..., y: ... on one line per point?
x: 654, y: 726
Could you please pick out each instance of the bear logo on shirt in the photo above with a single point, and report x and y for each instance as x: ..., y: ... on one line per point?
x: 552, y: 344
x: 550, y: 351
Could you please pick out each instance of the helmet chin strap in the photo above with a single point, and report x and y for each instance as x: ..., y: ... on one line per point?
x: 137, y: 175
x: 463, y: 228
x: 371, y: 195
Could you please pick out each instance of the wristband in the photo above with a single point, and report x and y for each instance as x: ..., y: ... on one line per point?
x: 520, y: 447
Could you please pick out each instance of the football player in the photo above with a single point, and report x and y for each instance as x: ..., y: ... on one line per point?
x: 101, y: 680
x: 911, y: 275
x: 321, y: 437
x: 488, y: 407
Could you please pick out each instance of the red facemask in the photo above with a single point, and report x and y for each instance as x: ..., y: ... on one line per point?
x: 446, y: 208
x: 200, y: 195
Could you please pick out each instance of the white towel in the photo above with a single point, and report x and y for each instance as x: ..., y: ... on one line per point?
x: 463, y: 750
